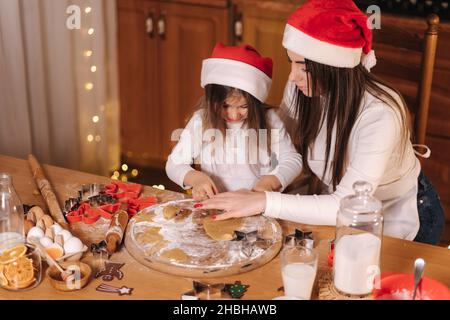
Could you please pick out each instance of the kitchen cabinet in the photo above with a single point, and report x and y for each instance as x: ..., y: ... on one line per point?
x: 161, y: 48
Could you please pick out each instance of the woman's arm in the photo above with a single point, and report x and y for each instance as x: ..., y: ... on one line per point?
x: 375, y: 139
x: 376, y: 136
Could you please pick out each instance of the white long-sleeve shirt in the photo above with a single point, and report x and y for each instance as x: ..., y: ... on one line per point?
x: 229, y: 167
x: 374, y: 156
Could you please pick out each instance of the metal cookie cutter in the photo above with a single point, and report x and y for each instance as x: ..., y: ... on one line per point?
x: 249, y: 241
x: 300, y: 237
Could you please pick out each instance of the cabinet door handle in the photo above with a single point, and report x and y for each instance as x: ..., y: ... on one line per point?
x: 150, y: 25
x: 162, y: 26
x: 238, y: 28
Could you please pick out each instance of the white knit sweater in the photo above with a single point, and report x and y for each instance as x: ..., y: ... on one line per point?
x: 374, y: 156
x: 242, y: 173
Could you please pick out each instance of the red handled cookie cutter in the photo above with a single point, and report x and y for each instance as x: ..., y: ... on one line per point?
x: 120, y: 190
x: 85, y: 213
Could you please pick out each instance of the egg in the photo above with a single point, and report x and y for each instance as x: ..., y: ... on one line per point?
x: 73, y: 245
x: 57, y: 229
x: 35, y: 232
x: 46, y: 242
x: 66, y: 235
x: 55, y: 251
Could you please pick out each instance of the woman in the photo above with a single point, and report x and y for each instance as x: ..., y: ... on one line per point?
x: 349, y: 126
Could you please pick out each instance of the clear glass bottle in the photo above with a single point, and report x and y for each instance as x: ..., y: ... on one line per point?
x: 11, y: 210
x: 359, y: 231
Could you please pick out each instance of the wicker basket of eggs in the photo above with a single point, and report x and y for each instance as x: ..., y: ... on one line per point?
x: 59, y: 243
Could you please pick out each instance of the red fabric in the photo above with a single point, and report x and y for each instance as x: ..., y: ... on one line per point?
x: 246, y: 54
x: 338, y: 22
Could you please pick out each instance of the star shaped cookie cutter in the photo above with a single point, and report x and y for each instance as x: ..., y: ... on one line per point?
x: 300, y: 237
x: 249, y: 240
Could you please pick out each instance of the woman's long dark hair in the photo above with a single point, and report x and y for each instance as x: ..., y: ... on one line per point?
x: 337, y: 95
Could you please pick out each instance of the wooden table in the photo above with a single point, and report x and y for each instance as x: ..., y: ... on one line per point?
x: 397, y: 255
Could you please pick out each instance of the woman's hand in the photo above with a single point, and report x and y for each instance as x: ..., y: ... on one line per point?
x: 267, y: 183
x: 202, y: 185
x: 241, y: 203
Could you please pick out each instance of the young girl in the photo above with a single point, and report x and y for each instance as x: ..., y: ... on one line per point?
x: 226, y: 136
x: 349, y: 126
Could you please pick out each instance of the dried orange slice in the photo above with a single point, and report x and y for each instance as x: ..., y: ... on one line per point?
x: 20, y: 285
x: 12, y: 254
x: 3, y: 280
x: 20, y: 272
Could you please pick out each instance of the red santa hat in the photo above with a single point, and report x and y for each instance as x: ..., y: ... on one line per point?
x: 331, y: 32
x: 240, y: 67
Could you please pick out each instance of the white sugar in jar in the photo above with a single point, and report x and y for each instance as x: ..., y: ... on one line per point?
x: 359, y: 230
x: 356, y: 263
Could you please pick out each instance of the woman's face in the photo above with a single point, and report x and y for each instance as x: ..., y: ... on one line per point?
x: 299, y: 75
x: 235, y: 108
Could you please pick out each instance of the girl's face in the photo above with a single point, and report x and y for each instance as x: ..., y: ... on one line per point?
x: 299, y: 74
x: 235, y: 108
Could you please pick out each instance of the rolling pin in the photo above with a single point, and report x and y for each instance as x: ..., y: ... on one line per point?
x: 116, y: 230
x: 47, y: 191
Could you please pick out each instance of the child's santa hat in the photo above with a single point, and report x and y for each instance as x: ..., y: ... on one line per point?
x: 239, y: 67
x: 331, y: 32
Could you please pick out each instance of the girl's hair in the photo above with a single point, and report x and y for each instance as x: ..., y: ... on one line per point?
x: 213, y: 103
x: 337, y: 95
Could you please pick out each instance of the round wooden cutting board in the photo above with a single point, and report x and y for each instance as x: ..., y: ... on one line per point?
x: 179, y: 245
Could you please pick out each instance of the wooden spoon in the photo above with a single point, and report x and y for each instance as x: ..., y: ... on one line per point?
x: 64, y: 273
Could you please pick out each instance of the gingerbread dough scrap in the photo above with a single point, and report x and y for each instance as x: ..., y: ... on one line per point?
x: 175, y: 255
x: 144, y: 217
x: 221, y: 230
x: 183, y: 214
x: 151, y: 235
x: 170, y: 212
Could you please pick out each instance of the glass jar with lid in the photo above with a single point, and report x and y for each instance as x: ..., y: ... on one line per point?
x: 359, y: 231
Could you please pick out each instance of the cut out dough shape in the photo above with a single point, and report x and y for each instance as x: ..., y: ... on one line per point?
x: 223, y: 229
x: 170, y: 212
x: 183, y: 214
x: 151, y: 235
x: 175, y: 255
x: 144, y: 217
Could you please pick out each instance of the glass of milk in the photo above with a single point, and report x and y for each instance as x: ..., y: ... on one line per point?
x: 298, y: 270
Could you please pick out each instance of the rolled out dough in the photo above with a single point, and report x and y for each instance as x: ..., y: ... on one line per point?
x: 223, y: 229
x: 175, y: 254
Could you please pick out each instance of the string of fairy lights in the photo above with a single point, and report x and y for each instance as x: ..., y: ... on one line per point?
x: 89, y: 86
x: 124, y: 172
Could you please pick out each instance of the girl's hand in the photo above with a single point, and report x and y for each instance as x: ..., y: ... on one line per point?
x: 241, y: 203
x: 202, y: 185
x: 267, y: 183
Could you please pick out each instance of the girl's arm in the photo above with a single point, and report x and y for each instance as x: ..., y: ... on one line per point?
x: 188, y: 148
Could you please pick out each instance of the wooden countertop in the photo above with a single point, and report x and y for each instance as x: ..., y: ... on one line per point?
x: 397, y: 255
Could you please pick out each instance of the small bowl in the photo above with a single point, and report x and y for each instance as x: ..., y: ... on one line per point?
x: 70, y: 284
x: 74, y: 256
x: 400, y: 286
